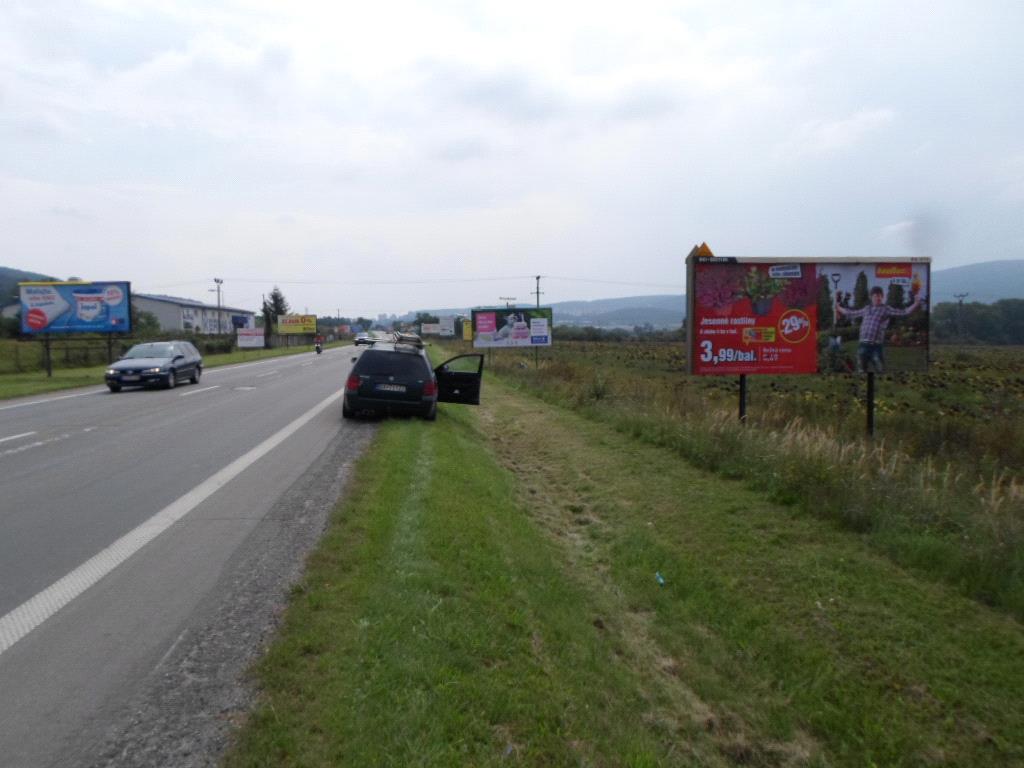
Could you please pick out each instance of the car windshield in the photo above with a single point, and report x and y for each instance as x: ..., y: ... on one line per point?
x: 151, y: 350
x: 399, y: 364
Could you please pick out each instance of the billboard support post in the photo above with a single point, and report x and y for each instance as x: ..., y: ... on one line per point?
x: 743, y: 398
x: 871, y: 404
x: 110, y: 349
x: 46, y: 355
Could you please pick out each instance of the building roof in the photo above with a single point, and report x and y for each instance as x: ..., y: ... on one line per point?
x: 190, y: 303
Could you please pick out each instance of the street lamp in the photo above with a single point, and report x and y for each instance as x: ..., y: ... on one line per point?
x: 219, y: 283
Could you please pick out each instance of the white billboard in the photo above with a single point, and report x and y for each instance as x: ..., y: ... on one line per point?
x: 447, y: 326
x: 250, y: 338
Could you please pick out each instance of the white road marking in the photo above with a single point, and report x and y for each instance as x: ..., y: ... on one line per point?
x: 268, y: 373
x: 197, y: 391
x: 15, y: 437
x: 51, y: 399
x: 244, y: 389
x: 36, y: 444
x: 34, y: 611
x: 305, y: 364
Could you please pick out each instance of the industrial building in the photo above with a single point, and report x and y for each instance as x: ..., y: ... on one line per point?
x: 177, y: 314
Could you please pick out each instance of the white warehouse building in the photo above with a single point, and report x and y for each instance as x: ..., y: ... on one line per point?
x: 177, y: 314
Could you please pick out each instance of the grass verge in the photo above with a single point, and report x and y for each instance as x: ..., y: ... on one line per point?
x: 37, y: 383
x: 487, y: 595
x: 938, y: 517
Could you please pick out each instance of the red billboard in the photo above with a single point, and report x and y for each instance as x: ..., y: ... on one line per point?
x: 763, y: 316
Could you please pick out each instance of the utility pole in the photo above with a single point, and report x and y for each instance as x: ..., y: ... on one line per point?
x: 219, y: 282
x: 960, y: 312
x: 536, y: 352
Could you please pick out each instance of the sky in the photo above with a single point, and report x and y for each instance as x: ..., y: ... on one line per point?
x: 385, y: 157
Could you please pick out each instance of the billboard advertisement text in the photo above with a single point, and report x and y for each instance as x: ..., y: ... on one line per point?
x: 296, y: 324
x: 759, y: 316
x: 430, y: 329
x: 97, y: 307
x: 512, y: 327
x: 250, y: 338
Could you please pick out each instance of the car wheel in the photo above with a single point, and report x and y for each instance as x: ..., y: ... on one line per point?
x: 431, y: 415
x: 196, y: 374
x: 114, y: 387
x: 172, y: 378
x: 346, y: 412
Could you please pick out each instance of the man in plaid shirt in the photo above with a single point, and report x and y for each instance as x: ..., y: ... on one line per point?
x: 874, y: 320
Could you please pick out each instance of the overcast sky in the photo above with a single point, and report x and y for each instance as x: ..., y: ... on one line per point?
x: 333, y: 147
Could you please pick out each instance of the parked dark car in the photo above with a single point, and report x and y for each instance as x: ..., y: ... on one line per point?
x: 157, y: 362
x: 394, y: 378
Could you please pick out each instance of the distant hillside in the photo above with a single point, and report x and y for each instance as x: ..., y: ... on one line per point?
x: 9, y: 279
x: 660, y: 311
x: 987, y: 281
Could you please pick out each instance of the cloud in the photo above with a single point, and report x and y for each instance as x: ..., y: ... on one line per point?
x: 825, y: 137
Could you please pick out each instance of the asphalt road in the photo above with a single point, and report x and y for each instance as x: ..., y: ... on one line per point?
x: 147, y: 539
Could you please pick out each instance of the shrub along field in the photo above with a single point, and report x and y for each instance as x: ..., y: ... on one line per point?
x: 939, y: 490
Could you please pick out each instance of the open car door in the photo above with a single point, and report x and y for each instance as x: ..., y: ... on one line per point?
x: 458, y: 379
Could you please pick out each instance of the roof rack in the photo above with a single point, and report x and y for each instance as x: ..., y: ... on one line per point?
x: 408, y: 338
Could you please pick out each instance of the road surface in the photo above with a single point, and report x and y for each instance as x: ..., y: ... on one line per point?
x: 147, y: 539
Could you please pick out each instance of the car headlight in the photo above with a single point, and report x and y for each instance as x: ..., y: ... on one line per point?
x: 111, y: 372
x: 152, y: 370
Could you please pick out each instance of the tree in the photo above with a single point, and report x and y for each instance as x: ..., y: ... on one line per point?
x: 274, y: 305
x: 426, y: 317
x: 860, y: 292
x: 895, y: 296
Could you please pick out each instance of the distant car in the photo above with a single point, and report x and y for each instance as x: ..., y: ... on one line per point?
x: 363, y: 338
x: 157, y: 362
x: 397, y: 379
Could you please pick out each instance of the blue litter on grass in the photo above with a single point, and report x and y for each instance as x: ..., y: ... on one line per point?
x: 660, y: 579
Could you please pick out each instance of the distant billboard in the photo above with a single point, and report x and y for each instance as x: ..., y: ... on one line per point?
x: 447, y: 326
x: 430, y: 329
x: 250, y: 338
x: 296, y: 324
x: 512, y: 327
x: 766, y: 316
x: 75, y: 307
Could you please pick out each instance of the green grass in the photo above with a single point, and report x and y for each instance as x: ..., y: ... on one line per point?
x: 953, y: 517
x: 37, y: 383
x: 486, y: 595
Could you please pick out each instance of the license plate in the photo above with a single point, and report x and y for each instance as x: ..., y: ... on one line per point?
x: 391, y: 387
x: 130, y: 378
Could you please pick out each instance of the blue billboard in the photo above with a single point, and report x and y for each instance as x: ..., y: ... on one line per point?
x: 96, y: 307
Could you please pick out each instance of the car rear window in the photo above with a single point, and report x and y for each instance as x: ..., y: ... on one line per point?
x: 381, y: 363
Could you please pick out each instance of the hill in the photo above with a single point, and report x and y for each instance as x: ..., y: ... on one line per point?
x: 9, y: 279
x: 987, y: 281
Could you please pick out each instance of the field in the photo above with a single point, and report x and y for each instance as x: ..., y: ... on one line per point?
x: 524, y: 584
x: 940, y: 489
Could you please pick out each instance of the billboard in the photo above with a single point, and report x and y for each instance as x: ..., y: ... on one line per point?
x: 250, y: 338
x: 448, y: 326
x: 512, y: 327
x: 430, y: 329
x: 83, y: 307
x: 296, y: 324
x: 764, y: 316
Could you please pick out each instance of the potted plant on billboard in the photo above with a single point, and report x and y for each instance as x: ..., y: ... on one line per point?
x: 761, y: 290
